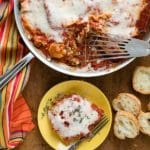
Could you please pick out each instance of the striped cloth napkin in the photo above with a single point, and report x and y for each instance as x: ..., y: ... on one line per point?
x: 15, y: 115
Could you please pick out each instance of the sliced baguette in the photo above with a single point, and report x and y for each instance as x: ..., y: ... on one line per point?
x: 127, y: 102
x: 126, y: 125
x: 141, y: 80
x: 144, y: 122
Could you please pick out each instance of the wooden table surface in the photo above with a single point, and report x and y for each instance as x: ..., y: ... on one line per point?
x: 43, y: 78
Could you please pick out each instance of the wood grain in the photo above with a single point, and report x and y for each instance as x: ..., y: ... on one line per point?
x: 43, y: 78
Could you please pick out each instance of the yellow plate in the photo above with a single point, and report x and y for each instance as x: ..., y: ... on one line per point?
x: 84, y: 89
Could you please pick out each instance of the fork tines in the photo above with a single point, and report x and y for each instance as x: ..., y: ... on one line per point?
x: 100, y: 125
x: 104, y: 120
x: 104, y: 47
x: 93, y: 37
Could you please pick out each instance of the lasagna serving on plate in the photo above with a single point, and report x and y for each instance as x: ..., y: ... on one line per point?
x: 73, y: 117
x: 59, y: 27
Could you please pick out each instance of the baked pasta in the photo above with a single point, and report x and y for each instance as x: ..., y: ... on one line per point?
x: 73, y: 117
x: 60, y: 28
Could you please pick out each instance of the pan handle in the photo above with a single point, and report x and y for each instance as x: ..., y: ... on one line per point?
x: 4, y: 79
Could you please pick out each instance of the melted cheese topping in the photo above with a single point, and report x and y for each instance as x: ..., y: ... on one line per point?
x: 69, y: 12
x: 52, y: 16
x: 34, y: 12
x: 73, y: 116
x: 125, y: 14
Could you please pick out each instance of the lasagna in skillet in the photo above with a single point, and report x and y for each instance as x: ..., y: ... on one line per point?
x: 73, y: 117
x: 59, y: 27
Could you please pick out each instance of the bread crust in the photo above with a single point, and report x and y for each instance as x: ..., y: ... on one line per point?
x: 134, y: 81
x: 144, y: 122
x: 118, y: 106
x: 132, y: 119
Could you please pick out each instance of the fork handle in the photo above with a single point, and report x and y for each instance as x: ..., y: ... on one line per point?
x: 143, y: 53
x: 4, y: 79
x: 146, y: 53
x: 138, y: 48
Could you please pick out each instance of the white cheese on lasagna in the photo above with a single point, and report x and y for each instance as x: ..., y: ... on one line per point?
x: 64, y: 13
x: 52, y: 16
x: 124, y: 13
x: 73, y: 116
x: 33, y: 11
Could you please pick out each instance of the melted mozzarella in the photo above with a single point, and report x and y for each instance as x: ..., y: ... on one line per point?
x: 78, y: 115
x: 34, y: 12
x: 64, y: 13
x: 124, y: 15
x: 51, y: 17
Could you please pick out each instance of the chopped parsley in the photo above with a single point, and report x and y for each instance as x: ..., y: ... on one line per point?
x: 81, y: 120
x: 75, y: 119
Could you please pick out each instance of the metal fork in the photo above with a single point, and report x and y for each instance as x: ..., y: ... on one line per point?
x: 98, y: 127
x: 110, y: 47
x: 10, y: 74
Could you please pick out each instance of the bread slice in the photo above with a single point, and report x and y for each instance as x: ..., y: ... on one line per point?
x: 141, y: 80
x: 144, y: 122
x: 126, y: 125
x: 127, y: 102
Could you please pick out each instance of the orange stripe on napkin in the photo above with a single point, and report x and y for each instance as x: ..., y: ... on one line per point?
x: 21, y: 119
x: 15, y: 115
